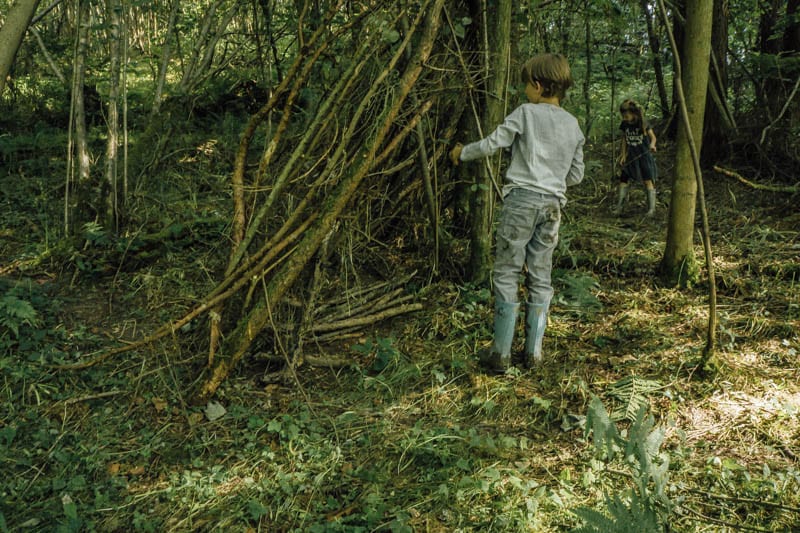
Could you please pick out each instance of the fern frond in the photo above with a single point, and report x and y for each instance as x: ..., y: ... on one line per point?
x: 15, y: 312
x: 633, y: 393
x: 605, y: 435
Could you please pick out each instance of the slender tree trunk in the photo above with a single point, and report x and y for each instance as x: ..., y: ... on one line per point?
x: 718, y: 119
x: 709, y: 362
x: 791, y: 48
x: 113, y: 12
x: 769, y: 45
x: 78, y: 203
x: 11, y: 34
x: 679, y: 31
x: 587, y: 80
x: 166, y: 56
x: 496, y: 69
x: 679, y: 265
x: 655, y: 54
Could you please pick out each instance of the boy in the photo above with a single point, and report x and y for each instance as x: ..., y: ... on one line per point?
x: 546, y: 156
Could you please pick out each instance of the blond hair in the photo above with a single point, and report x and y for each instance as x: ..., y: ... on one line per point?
x: 552, y: 71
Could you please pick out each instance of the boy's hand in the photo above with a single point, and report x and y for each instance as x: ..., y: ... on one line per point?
x: 455, y: 154
x: 653, y: 148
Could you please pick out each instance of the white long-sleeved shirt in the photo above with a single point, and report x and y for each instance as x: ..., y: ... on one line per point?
x: 546, y: 149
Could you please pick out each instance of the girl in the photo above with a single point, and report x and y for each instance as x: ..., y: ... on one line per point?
x: 636, y: 158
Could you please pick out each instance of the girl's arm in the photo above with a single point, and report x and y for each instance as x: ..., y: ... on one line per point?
x: 623, y: 151
x: 652, y: 135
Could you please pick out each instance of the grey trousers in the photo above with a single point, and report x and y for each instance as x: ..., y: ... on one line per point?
x: 526, y: 236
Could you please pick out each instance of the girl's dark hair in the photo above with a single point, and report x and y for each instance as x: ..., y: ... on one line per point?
x: 636, y: 109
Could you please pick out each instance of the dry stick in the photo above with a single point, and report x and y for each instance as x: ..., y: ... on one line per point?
x: 783, y: 111
x: 255, y: 321
x: 426, y: 173
x: 717, y: 521
x: 324, y: 115
x: 364, y: 293
x: 364, y: 310
x: 708, y: 352
x: 210, y: 303
x: 463, y: 64
x: 355, y: 308
x: 744, y: 500
x: 758, y: 186
x: 240, y: 242
x: 368, y: 319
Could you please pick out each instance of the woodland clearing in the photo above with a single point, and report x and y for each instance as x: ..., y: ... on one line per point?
x: 408, y: 434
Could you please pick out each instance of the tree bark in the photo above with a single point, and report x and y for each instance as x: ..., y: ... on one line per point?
x: 679, y: 265
x: 718, y: 120
x: 655, y: 54
x: 166, y: 56
x: 78, y: 204
x: 709, y: 362
x: 12, y: 33
x: 587, y: 81
x: 112, y: 200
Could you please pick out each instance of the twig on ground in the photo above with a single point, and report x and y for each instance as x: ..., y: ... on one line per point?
x: 758, y: 186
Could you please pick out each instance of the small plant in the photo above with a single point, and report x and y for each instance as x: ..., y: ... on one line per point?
x: 645, y: 508
x: 15, y: 312
x: 16, y: 315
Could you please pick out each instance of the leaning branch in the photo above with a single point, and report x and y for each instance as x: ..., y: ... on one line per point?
x: 757, y: 186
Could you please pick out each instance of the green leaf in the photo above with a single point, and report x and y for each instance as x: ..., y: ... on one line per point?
x: 605, y: 434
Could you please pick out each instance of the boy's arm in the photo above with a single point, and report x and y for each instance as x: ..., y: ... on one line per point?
x: 575, y: 174
x: 502, y: 137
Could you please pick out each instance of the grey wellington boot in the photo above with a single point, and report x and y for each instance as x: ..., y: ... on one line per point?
x: 535, y: 324
x: 651, y: 202
x: 498, y: 358
x: 622, y: 195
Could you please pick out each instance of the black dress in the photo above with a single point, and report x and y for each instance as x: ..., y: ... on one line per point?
x: 639, y: 162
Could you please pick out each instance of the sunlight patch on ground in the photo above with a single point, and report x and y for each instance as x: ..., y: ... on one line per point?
x: 733, y: 411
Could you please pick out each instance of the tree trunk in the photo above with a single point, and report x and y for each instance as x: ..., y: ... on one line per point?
x: 791, y: 48
x: 655, y: 54
x: 587, y: 81
x: 79, y: 204
x: 496, y: 68
x: 111, y: 218
x: 718, y: 119
x: 769, y: 44
x: 166, y: 55
x: 12, y: 33
x: 679, y: 33
x: 679, y: 266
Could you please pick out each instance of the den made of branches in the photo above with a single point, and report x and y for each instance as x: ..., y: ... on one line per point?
x: 366, y: 136
x: 288, y: 208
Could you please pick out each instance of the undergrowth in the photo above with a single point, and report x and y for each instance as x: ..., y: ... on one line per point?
x: 616, y: 432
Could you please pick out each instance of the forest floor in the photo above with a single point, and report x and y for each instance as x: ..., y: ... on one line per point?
x: 411, y: 435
